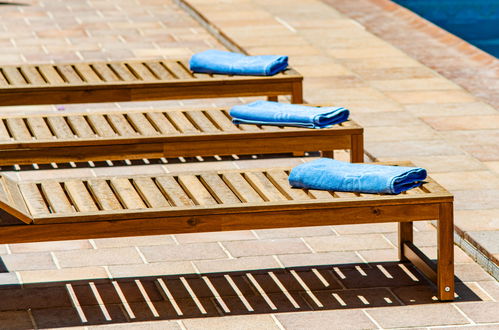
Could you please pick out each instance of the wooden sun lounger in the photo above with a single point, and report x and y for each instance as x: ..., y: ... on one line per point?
x: 133, y: 81
x: 152, y: 134
x: 95, y: 207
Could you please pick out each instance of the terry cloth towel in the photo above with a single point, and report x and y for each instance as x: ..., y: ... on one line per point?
x: 330, y: 174
x: 217, y: 61
x: 285, y: 114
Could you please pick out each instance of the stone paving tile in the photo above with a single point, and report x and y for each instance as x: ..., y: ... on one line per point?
x: 481, y: 220
x: 489, y: 239
x: 483, y: 312
x: 133, y: 241
x: 407, y: 149
x: 67, y: 274
x: 196, y: 251
x: 471, y: 272
x: 238, y: 264
x: 28, y: 261
x: 449, y: 163
x: 431, y: 96
x: 99, y: 257
x: 347, y: 243
x: 368, y: 228
x: 476, y: 199
x: 337, y: 319
x: 266, y: 247
x: 383, y: 119
x: 463, y: 122
x: 241, y: 235
x: 50, y: 246
x: 450, y: 109
x: 399, y: 133
x: 294, y: 232
x: 8, y: 279
x: 155, y: 269
x: 156, y: 325
x: 470, y: 180
x: 243, y: 322
x: 417, y: 316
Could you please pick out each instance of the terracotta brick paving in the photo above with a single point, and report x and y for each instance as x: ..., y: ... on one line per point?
x: 331, y: 276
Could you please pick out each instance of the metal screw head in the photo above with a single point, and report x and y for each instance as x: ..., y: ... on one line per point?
x: 447, y: 289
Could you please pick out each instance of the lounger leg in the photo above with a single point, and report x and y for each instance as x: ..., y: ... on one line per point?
x: 297, y: 96
x: 272, y: 98
x: 357, y: 148
x: 445, y: 268
x: 405, y: 235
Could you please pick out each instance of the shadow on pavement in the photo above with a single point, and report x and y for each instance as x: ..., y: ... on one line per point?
x: 123, y: 300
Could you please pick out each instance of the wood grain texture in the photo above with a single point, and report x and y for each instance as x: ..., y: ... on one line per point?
x: 133, y: 81
x: 156, y: 133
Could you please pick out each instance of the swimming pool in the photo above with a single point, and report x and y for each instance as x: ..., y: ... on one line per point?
x: 476, y: 21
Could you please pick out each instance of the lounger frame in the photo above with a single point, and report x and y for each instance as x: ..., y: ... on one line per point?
x: 98, y: 207
x: 133, y: 81
x: 157, y: 133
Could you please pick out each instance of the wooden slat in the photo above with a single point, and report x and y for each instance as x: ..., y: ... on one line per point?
x: 280, y: 178
x: 70, y: 74
x: 181, y: 122
x: 174, y: 191
x: 201, y: 121
x: 121, y: 125
x: 160, y: 71
x: 264, y: 187
x: 218, y: 189
x: 80, y: 196
x: 87, y: 73
x: 105, y: 72
x: 18, y: 129
x: 249, y: 128
x: 150, y: 192
x: 123, y: 72
x: 39, y: 128
x: 142, y: 71
x: 51, y: 75
x: 34, y: 199
x: 104, y: 195
x: 320, y: 194
x: 178, y: 69
x: 162, y: 123
x: 4, y: 134
x: 15, y: 195
x: 222, y: 121
x: 60, y: 127
x: 344, y: 194
x: 141, y: 124
x: 433, y: 187
x: 241, y: 188
x: 33, y: 75
x: 100, y: 125
x: 196, y: 190
x: 3, y: 80
x: 80, y: 126
x: 14, y: 76
x: 127, y: 194
x: 56, y: 197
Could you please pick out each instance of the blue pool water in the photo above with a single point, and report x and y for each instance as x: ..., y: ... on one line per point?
x: 476, y: 21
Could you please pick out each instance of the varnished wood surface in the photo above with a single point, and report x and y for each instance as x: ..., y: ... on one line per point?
x: 133, y: 81
x: 157, y: 133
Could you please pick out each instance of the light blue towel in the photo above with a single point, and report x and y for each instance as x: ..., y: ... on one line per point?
x: 217, y: 61
x: 285, y: 114
x: 330, y: 174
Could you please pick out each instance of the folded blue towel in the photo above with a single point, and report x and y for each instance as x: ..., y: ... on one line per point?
x: 285, y: 114
x: 330, y: 174
x: 217, y: 61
